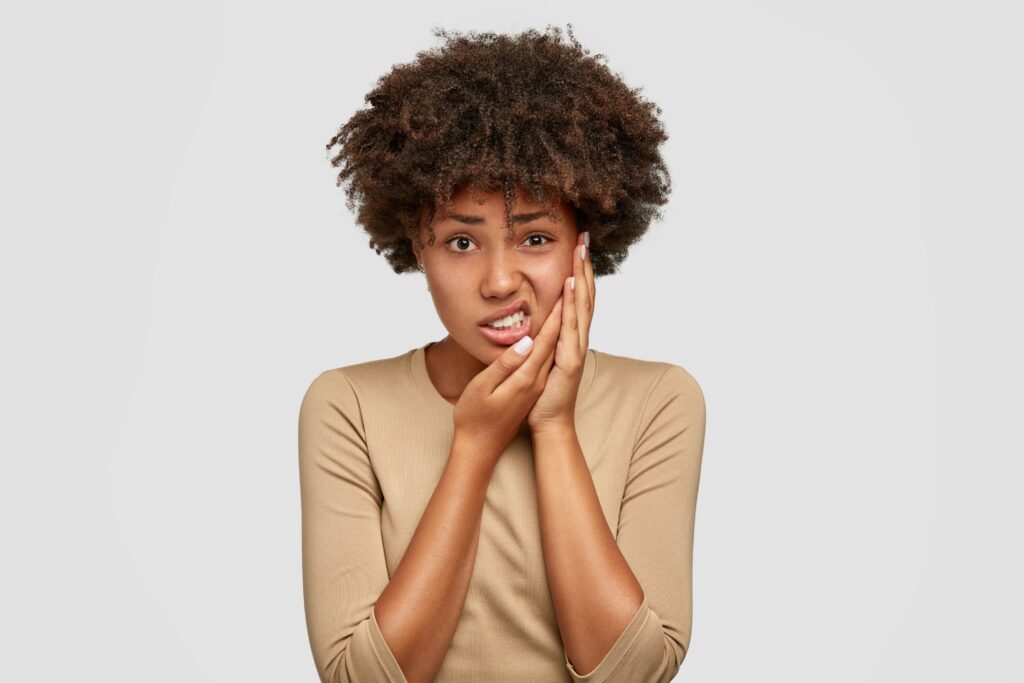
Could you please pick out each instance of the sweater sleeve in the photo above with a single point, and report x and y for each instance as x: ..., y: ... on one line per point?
x: 343, y: 566
x: 655, y: 534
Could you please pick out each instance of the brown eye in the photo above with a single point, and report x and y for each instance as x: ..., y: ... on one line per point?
x: 461, y: 239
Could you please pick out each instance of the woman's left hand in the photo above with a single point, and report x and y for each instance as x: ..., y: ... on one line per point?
x: 556, y: 406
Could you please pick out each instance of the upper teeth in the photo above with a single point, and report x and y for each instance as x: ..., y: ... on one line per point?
x: 508, y: 320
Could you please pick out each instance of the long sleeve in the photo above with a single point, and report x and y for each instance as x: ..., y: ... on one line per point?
x: 655, y: 534
x: 343, y: 565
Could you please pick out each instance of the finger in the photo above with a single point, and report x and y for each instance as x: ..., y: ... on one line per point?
x: 582, y: 288
x: 589, y: 264
x: 581, y: 293
x: 545, y: 369
x: 511, y: 359
x: 586, y: 313
x: 549, y: 332
x: 570, y: 330
x: 544, y: 341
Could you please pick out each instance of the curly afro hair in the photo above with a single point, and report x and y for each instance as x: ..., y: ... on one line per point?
x: 495, y: 113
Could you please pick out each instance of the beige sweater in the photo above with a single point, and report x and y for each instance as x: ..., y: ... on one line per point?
x: 374, y: 438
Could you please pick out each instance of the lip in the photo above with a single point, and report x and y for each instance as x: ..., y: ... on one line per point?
x: 507, y: 337
x: 508, y: 310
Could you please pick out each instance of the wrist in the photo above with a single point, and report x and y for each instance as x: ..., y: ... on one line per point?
x: 476, y: 447
x: 556, y: 429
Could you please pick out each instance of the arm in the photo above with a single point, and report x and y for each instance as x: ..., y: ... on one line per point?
x: 625, y: 610
x: 363, y: 626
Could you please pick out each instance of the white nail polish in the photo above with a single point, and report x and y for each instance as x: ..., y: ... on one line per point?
x: 583, y: 253
x: 572, y: 282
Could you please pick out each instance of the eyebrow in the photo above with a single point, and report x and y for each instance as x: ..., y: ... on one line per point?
x: 476, y: 220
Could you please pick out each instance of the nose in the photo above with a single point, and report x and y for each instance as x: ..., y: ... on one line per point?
x: 503, y: 277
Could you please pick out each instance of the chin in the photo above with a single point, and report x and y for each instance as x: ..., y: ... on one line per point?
x: 489, y: 352
x: 477, y: 346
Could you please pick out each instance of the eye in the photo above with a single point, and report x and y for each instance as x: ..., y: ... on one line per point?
x: 460, y: 238
x: 464, y: 239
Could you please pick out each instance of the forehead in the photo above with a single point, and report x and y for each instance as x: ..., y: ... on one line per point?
x: 488, y: 208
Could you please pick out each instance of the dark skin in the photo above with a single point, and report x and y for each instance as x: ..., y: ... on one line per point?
x: 498, y: 396
x: 474, y: 268
x: 419, y: 609
x: 465, y: 105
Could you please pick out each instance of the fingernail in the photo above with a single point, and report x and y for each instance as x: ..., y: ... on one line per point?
x: 583, y: 253
x: 523, y: 344
x: 586, y: 238
x: 572, y: 282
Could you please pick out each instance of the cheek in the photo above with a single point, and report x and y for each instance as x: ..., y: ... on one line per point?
x: 549, y: 276
x: 447, y: 296
x: 450, y: 295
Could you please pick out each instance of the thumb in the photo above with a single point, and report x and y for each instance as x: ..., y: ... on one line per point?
x: 510, y: 359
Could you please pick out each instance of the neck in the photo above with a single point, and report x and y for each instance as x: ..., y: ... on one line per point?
x: 451, y: 368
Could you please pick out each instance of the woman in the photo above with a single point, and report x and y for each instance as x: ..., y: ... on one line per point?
x: 506, y: 503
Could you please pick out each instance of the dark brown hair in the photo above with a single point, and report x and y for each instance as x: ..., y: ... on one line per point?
x: 495, y: 112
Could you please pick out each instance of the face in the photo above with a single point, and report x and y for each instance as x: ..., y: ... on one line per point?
x: 474, y: 269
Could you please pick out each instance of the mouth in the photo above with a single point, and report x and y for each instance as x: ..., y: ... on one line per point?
x: 507, y: 335
x: 514, y: 307
x: 513, y: 323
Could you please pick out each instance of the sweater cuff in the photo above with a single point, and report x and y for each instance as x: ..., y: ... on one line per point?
x: 383, y: 652
x: 631, y: 652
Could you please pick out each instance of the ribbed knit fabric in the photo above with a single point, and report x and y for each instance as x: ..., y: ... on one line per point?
x: 374, y: 438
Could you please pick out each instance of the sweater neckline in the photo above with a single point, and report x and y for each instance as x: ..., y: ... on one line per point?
x: 418, y: 368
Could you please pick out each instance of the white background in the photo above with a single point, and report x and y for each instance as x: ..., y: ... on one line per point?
x: 839, y: 267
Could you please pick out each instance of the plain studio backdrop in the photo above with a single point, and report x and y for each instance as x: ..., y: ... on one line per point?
x: 839, y: 267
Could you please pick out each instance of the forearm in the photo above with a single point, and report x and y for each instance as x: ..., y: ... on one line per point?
x: 419, y: 609
x: 593, y: 589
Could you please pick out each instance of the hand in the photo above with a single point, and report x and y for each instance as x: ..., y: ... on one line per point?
x: 556, y: 406
x: 492, y: 407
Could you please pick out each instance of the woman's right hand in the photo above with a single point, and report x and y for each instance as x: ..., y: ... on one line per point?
x: 495, y: 403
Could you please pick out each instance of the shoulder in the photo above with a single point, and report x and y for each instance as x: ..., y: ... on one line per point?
x: 653, y: 378
x: 351, y: 378
x: 671, y: 414
x: 328, y: 400
x: 350, y: 389
x: 332, y: 382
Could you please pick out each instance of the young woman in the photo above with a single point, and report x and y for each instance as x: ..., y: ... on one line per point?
x: 506, y: 503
